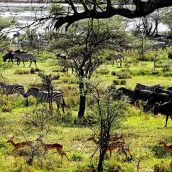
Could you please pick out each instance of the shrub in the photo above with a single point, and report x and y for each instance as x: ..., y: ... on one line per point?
x: 103, y: 71
x: 77, y: 157
x: 35, y: 70
x: 6, y: 109
x: 166, y: 67
x: 55, y: 76
x: 162, y: 167
x: 123, y: 75
x: 113, y: 73
x: 22, y: 71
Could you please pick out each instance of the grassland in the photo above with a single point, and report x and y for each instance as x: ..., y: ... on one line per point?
x: 142, y: 131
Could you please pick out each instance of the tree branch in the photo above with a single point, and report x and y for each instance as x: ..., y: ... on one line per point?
x: 143, y: 8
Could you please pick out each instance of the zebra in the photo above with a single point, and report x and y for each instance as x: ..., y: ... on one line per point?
x: 22, y: 57
x: 44, y: 96
x: 116, y: 57
x: 12, y: 89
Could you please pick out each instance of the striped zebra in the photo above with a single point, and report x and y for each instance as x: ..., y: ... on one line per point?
x: 24, y: 57
x: 44, y: 96
x: 12, y: 89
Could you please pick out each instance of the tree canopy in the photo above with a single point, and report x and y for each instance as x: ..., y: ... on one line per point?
x: 97, y: 9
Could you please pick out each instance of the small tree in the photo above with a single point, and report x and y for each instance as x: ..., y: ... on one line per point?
x: 83, y: 47
x: 109, y: 112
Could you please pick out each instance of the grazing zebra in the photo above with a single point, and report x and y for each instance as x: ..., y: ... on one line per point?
x: 65, y: 63
x: 116, y: 57
x: 44, y: 96
x: 23, y: 57
x: 12, y: 89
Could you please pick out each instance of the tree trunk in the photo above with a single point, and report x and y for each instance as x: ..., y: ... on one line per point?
x: 82, y: 102
x: 101, y: 160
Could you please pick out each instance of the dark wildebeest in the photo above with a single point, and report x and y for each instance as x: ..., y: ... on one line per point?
x: 125, y: 91
x: 165, y: 109
x: 9, y: 56
x: 156, y: 98
x: 153, y: 88
x: 143, y: 95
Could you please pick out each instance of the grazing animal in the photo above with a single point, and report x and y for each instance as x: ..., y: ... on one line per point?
x: 23, y: 57
x: 117, y: 57
x: 153, y: 88
x: 64, y: 62
x: 156, y: 98
x: 12, y: 89
x: 165, y: 109
x: 9, y: 56
x: 168, y: 147
x: 143, y: 95
x: 54, y: 146
x: 157, y: 45
x: 19, y: 145
x: 127, y: 92
x: 44, y: 96
x: 116, y: 144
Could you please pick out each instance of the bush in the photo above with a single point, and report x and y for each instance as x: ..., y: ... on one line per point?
x: 113, y: 73
x: 119, y: 82
x: 22, y: 71
x: 35, y: 70
x: 55, y: 76
x: 77, y: 157
x: 123, y: 75
x: 103, y: 71
x: 162, y: 167
x: 6, y: 109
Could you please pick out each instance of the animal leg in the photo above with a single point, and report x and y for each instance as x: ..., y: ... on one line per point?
x: 35, y: 64
x: 23, y: 64
x: 166, y: 121
x: 30, y: 63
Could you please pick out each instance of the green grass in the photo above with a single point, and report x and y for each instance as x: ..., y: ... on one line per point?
x: 142, y: 131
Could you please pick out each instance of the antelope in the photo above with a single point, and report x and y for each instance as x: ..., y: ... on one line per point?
x: 168, y: 147
x: 54, y: 146
x: 19, y: 145
x: 114, y: 145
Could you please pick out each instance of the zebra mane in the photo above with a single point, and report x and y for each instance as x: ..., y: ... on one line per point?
x: 34, y: 88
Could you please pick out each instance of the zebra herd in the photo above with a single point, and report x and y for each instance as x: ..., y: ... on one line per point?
x: 41, y: 96
x: 19, y: 56
x: 155, y: 98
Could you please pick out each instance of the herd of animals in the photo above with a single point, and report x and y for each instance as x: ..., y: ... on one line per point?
x: 155, y: 98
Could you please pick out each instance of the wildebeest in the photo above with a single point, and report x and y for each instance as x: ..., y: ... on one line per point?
x: 153, y: 88
x: 158, y: 45
x: 9, y: 56
x: 117, y: 57
x: 165, y: 109
x: 156, y: 98
x: 143, y: 95
x: 24, y: 57
x: 125, y: 91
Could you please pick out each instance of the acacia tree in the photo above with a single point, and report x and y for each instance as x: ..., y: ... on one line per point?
x: 83, y: 48
x: 97, y: 9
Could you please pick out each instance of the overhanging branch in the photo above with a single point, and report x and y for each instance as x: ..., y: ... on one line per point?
x: 141, y: 9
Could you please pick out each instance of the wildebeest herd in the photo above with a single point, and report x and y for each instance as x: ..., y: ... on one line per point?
x: 19, y: 56
x: 156, y: 99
